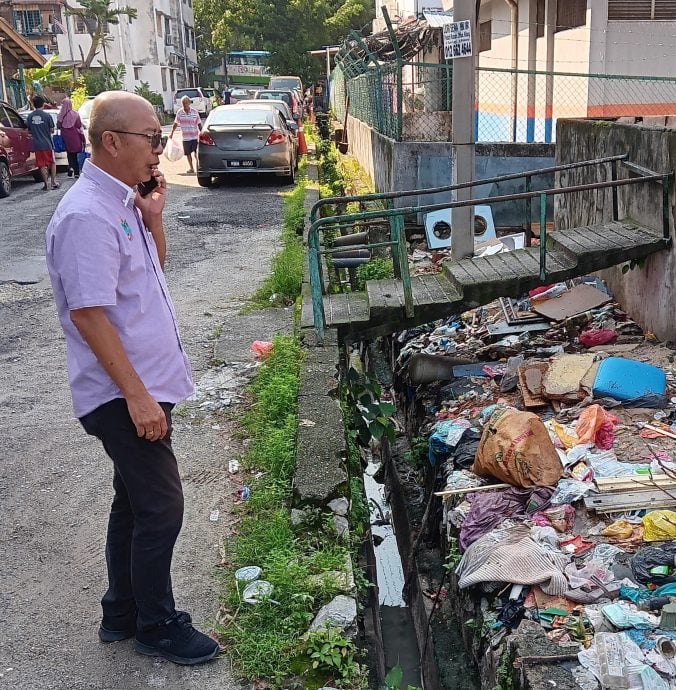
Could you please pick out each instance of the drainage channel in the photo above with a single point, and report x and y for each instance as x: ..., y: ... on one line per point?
x: 432, y: 652
x: 398, y: 634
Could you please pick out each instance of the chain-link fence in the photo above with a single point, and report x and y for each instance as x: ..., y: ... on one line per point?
x: 409, y: 101
x: 523, y: 106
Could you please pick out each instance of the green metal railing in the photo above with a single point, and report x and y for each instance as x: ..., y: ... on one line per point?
x: 395, y: 219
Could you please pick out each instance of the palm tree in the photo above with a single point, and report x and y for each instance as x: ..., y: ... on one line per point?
x: 97, y: 15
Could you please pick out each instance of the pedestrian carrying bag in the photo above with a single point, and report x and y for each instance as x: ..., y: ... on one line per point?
x: 172, y: 151
x: 59, y: 143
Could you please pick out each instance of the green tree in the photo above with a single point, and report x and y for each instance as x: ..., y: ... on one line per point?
x: 286, y: 28
x: 97, y: 15
x: 48, y: 75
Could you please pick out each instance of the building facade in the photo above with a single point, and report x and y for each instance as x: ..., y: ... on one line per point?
x: 158, y: 46
x: 540, y: 60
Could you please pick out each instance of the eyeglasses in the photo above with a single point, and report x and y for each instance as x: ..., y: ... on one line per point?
x: 154, y: 139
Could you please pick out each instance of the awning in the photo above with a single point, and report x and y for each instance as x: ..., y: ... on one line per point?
x: 438, y: 18
x: 17, y: 46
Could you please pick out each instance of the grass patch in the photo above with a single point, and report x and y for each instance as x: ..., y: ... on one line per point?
x: 266, y: 640
x: 283, y: 285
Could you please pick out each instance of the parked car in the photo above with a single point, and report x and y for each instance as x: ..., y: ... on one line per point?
x: 286, y: 82
x: 237, y: 95
x: 16, y: 155
x: 283, y: 110
x: 85, y: 111
x: 61, y: 158
x: 247, y: 140
x: 198, y: 99
x: 287, y: 95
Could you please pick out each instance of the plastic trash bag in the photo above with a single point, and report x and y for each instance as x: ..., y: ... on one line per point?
x: 172, y: 151
x: 596, y: 425
x: 651, y: 557
x: 659, y: 525
x: 261, y: 348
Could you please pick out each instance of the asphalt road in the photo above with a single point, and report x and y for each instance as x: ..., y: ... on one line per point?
x: 55, y: 481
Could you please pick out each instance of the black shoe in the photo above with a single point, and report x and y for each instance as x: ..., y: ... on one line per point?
x: 118, y: 629
x: 176, y: 640
x: 70, y: 173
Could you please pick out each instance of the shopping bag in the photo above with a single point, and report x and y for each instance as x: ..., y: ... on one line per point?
x: 59, y: 143
x: 172, y: 151
x: 82, y: 157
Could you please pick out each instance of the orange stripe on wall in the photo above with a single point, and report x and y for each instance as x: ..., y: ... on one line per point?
x: 530, y: 110
x: 631, y: 109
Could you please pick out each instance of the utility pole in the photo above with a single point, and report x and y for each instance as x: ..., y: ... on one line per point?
x: 462, y: 237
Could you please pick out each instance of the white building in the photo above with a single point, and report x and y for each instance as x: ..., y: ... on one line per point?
x: 157, y: 47
x: 539, y: 60
x: 619, y: 48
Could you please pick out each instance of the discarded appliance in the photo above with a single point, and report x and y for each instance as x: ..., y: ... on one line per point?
x: 439, y: 224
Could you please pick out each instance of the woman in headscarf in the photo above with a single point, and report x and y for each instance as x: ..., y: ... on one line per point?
x: 68, y: 121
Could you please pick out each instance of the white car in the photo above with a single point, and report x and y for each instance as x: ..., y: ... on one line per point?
x: 61, y: 158
x: 198, y: 99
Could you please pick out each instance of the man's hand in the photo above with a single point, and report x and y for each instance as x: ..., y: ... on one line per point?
x: 151, y: 206
x: 148, y: 417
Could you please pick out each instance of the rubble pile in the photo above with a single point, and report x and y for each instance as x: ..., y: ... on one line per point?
x: 551, y: 427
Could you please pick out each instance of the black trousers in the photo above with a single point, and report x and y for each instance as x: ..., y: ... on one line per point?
x: 145, y: 517
x: 72, y: 163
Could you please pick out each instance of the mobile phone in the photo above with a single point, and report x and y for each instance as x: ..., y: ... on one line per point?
x: 144, y: 188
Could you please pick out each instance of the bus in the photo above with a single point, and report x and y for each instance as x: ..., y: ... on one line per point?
x: 248, y: 67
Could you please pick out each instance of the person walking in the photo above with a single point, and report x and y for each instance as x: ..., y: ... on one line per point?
x: 69, y: 123
x: 225, y: 96
x: 41, y: 127
x: 127, y: 368
x: 188, y: 119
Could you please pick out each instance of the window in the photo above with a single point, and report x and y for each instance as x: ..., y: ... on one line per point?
x: 192, y: 38
x: 571, y: 14
x: 158, y: 22
x: 167, y: 27
x: 80, y: 27
x: 540, y: 18
x: 14, y: 118
x: 641, y: 10
x: 29, y: 22
x: 186, y: 31
x: 137, y: 73
x: 485, y: 34
x: 164, y: 79
x: 172, y: 79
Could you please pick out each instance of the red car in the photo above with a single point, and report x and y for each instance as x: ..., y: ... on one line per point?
x: 16, y: 155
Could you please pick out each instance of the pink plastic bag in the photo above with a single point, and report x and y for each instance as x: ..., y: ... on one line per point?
x: 261, y: 349
x: 594, y: 337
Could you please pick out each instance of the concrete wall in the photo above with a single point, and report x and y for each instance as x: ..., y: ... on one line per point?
x: 646, y: 293
x: 397, y: 166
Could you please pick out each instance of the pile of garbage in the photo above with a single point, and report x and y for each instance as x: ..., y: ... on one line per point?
x: 551, y: 425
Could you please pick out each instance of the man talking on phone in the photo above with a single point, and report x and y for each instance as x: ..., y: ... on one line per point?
x: 127, y: 368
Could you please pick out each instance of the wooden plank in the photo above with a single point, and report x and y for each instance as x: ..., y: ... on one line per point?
x: 575, y: 301
x: 629, y: 500
x: 470, y: 489
x: 609, y: 484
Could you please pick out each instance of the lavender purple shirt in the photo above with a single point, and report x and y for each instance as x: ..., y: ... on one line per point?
x: 99, y: 254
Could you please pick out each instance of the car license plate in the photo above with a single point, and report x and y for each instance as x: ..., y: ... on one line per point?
x: 241, y: 164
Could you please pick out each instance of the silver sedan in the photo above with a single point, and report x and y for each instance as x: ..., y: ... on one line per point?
x: 245, y: 140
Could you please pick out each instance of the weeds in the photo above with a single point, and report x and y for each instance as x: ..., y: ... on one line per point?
x: 283, y: 286
x: 266, y: 639
x: 376, y: 269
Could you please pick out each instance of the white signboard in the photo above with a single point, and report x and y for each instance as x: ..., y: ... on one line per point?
x: 458, y: 40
